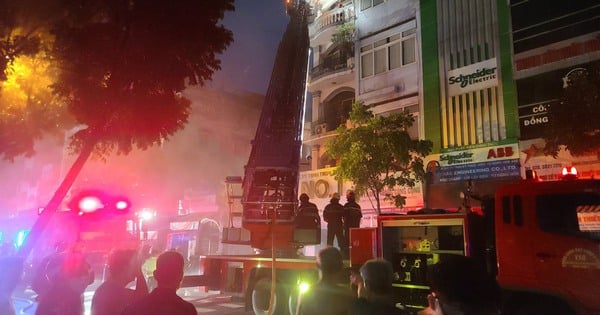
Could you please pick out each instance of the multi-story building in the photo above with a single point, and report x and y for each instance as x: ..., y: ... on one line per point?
x: 379, y: 67
x: 551, y: 41
x: 479, y: 76
x: 469, y: 105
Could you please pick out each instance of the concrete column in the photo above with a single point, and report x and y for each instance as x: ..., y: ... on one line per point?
x: 314, y: 153
x: 316, y: 104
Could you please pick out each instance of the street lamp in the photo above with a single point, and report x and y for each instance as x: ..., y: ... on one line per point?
x: 146, y: 214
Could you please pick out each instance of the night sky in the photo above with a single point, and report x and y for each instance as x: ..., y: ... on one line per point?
x: 257, y: 27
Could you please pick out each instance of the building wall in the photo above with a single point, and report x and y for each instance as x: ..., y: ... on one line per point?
x: 469, y: 105
x: 551, y: 40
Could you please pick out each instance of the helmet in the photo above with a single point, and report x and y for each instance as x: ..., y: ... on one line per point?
x: 304, y: 197
x: 350, y: 195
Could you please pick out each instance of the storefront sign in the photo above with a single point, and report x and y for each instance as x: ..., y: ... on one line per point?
x: 474, y: 77
x: 320, y: 184
x: 480, y: 163
x: 548, y: 167
x: 534, y: 118
x: 484, y: 170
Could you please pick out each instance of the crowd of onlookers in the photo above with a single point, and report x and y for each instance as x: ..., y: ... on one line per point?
x: 458, y: 285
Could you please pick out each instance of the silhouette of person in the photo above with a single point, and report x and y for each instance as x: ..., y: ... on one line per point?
x: 333, y: 214
x: 40, y: 283
x: 112, y: 296
x: 164, y: 299
x: 308, y: 214
x: 461, y: 286
x: 11, y: 269
x: 68, y: 274
x: 327, y: 296
x: 352, y: 216
x: 375, y: 294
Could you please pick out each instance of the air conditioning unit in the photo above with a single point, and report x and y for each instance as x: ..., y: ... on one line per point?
x: 320, y: 129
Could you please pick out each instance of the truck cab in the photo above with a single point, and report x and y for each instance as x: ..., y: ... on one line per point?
x: 547, y: 237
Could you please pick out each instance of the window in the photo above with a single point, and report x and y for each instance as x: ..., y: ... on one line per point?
x: 365, y: 4
x: 560, y: 214
x: 408, y: 51
x: 389, y: 53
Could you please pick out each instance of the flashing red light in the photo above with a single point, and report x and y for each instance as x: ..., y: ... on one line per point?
x: 122, y: 205
x: 569, y: 172
x: 89, y: 204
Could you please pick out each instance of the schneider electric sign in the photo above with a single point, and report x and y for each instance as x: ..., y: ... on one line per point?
x: 474, y: 77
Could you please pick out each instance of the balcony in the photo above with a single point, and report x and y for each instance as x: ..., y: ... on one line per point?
x: 331, y: 65
x: 332, y: 18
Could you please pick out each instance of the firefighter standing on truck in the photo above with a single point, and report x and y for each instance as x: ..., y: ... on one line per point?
x: 352, y: 216
x: 308, y: 214
x: 333, y: 214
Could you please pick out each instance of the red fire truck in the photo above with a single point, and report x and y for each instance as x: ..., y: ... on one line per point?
x: 540, y: 239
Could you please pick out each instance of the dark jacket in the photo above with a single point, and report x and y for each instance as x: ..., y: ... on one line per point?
x: 333, y: 213
x: 308, y: 216
x: 161, y: 301
x: 352, y: 214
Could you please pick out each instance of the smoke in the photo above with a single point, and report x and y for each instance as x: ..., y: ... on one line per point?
x: 214, y: 144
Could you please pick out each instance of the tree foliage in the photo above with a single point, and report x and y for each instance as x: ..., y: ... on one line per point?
x: 344, y: 38
x: 378, y: 154
x: 28, y: 107
x: 16, y: 38
x: 574, y: 121
x: 124, y: 64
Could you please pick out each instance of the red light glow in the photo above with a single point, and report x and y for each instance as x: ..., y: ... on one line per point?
x: 122, y: 205
x: 569, y: 171
x: 89, y: 204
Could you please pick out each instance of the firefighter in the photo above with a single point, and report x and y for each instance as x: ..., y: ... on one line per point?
x: 308, y: 214
x: 333, y: 214
x: 352, y: 216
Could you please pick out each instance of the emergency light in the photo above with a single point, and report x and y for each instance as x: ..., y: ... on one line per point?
x: 569, y: 172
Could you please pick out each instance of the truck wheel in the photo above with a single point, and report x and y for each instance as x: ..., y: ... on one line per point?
x: 261, y: 294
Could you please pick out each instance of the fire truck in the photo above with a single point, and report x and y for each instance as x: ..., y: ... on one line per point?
x: 540, y: 239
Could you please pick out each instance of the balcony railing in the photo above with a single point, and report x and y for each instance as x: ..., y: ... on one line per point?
x: 333, y: 17
x: 329, y: 66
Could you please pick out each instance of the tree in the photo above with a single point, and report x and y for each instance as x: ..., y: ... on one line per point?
x: 123, y: 67
x: 15, y: 38
x: 574, y: 121
x: 29, y: 109
x: 378, y: 153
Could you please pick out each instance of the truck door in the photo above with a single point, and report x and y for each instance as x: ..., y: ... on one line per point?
x: 567, y: 245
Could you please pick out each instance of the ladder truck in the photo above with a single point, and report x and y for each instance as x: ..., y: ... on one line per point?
x: 270, y: 189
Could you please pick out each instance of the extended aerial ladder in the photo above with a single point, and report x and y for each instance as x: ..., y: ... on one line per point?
x: 270, y: 184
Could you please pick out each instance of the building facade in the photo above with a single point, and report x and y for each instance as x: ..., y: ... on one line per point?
x: 479, y: 76
x: 379, y: 67
x: 551, y: 41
